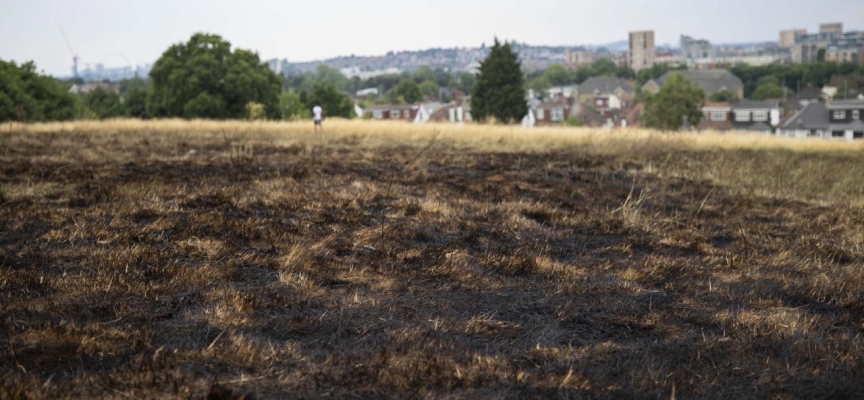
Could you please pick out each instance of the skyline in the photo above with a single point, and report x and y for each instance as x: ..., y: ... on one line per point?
x: 121, y: 33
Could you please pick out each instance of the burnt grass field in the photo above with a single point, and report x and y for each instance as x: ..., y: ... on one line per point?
x: 166, y: 265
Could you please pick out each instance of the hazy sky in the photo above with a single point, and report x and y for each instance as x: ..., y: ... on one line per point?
x: 114, y: 31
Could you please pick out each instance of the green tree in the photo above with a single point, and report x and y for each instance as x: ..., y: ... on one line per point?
x: 28, y: 96
x: 500, y: 90
x: 429, y: 89
x: 334, y: 102
x: 424, y: 73
x: 407, y: 90
x: 768, y: 90
x: 203, y: 78
x: 678, y: 100
x: 135, y: 102
x: 292, y: 107
x: 654, y: 72
x: 104, y: 103
x: 467, y: 81
x: 820, y: 55
x: 725, y: 95
x: 539, y: 85
x: 204, y: 106
x: 604, y: 67
x: 557, y: 75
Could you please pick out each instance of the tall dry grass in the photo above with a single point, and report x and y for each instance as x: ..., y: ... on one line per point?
x: 478, y: 136
x: 820, y: 170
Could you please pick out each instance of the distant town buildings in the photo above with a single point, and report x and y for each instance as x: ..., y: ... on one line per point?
x: 831, y: 41
x: 578, y: 58
x: 98, y: 72
x: 787, y: 37
x: 831, y: 28
x: 642, y: 50
x: 693, y: 49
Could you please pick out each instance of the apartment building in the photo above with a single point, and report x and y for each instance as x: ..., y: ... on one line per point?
x: 642, y: 51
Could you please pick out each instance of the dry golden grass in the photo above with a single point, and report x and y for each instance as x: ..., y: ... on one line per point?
x: 153, y: 260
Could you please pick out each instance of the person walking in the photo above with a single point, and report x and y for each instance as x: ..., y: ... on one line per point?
x: 316, y: 114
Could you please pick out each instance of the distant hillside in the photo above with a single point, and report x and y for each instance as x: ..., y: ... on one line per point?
x: 453, y: 59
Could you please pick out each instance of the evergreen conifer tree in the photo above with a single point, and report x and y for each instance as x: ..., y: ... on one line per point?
x: 499, y: 91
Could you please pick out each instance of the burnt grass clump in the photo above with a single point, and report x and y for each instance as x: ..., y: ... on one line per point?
x: 345, y: 268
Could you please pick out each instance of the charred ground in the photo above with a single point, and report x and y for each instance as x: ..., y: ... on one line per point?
x: 164, y: 265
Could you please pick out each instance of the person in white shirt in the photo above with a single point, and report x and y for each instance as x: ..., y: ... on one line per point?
x: 316, y: 113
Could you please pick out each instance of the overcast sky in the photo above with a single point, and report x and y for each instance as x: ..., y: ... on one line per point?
x: 122, y: 32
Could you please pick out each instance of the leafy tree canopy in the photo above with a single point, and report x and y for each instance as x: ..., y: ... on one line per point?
x: 105, y: 103
x: 27, y: 96
x: 406, y: 91
x: 677, y: 101
x: 334, y: 102
x: 292, y: 107
x: 500, y: 89
x: 203, y: 78
x: 725, y: 95
x: 768, y: 90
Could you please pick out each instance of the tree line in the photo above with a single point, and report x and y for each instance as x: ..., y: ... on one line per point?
x: 205, y: 78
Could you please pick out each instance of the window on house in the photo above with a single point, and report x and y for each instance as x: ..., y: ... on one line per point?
x: 839, y: 114
x: 760, y: 116
x: 599, y: 102
x: 557, y: 114
x: 858, y: 135
x: 838, y: 134
x: 377, y: 114
x: 742, y: 116
x: 539, y: 113
x: 856, y: 114
x: 394, y: 114
x: 718, y: 116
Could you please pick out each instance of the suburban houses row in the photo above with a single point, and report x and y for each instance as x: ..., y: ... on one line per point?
x: 607, y: 102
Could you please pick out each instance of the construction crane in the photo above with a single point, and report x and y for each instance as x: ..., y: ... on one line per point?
x: 75, y: 56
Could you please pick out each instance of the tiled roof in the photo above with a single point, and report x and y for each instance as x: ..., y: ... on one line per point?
x: 813, y: 116
x: 605, y: 85
x: 711, y: 81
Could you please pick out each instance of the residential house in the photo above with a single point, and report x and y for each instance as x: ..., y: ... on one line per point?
x: 756, y: 116
x: 456, y: 112
x: 711, y: 81
x: 810, y: 121
x: 425, y: 112
x: 605, y: 86
x: 401, y: 112
x: 566, y: 91
x: 552, y: 111
x: 845, y: 119
x: 718, y: 116
x: 611, y: 102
